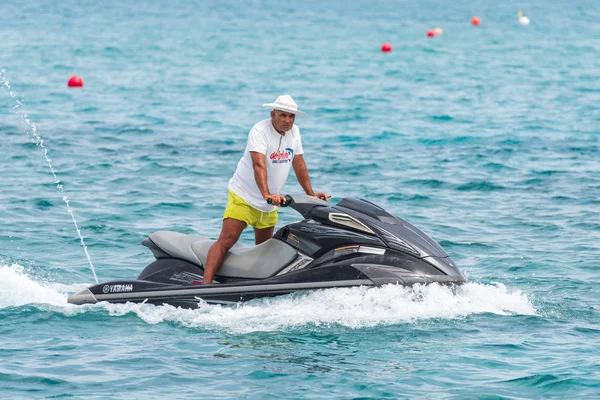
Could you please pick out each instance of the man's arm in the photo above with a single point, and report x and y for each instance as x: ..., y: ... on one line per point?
x: 303, y: 179
x: 302, y: 174
x: 260, y: 176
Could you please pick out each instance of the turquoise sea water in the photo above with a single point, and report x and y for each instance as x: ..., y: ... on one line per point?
x: 486, y: 137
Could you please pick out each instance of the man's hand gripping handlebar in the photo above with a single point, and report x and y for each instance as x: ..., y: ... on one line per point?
x: 278, y: 200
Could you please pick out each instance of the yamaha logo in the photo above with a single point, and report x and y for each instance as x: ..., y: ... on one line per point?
x: 117, y: 288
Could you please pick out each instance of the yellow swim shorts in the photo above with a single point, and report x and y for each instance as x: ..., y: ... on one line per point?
x: 238, y: 209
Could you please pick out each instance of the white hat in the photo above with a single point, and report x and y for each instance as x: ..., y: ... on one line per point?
x: 285, y: 103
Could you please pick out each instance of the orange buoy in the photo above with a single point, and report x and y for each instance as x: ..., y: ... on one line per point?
x: 75, y: 81
x: 386, y: 47
x: 438, y: 31
x: 430, y: 33
x: 475, y: 21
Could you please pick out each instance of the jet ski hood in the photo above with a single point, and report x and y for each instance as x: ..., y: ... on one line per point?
x: 370, y: 218
x: 396, y: 232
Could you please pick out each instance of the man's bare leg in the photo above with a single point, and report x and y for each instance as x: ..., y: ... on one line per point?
x: 262, y: 235
x: 230, y: 233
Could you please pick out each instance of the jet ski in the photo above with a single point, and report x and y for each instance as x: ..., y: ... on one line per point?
x: 352, y: 243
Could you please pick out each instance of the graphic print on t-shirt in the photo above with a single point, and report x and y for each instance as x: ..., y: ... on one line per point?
x: 281, y: 157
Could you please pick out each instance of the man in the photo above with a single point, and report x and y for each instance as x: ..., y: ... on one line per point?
x: 273, y: 144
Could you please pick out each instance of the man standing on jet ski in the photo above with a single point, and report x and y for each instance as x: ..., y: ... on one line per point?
x: 273, y: 144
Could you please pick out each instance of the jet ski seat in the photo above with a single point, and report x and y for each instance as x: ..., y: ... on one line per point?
x: 177, y: 244
x: 251, y: 262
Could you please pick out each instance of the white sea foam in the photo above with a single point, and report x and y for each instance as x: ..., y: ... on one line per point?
x: 17, y: 288
x: 350, y: 307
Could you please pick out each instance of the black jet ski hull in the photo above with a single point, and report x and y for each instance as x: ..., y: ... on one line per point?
x: 190, y: 296
x: 354, y: 243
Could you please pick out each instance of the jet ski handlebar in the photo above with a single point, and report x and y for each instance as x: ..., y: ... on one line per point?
x: 302, y: 203
x: 288, y: 201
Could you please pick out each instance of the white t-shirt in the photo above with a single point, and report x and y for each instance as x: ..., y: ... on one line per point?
x: 280, y: 151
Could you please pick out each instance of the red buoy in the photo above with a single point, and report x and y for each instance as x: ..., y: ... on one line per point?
x: 475, y: 21
x: 386, y: 47
x: 75, y: 81
x: 430, y: 33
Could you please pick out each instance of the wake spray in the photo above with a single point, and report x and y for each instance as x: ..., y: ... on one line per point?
x: 31, y: 130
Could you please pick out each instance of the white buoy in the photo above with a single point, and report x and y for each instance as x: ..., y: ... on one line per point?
x: 524, y: 21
